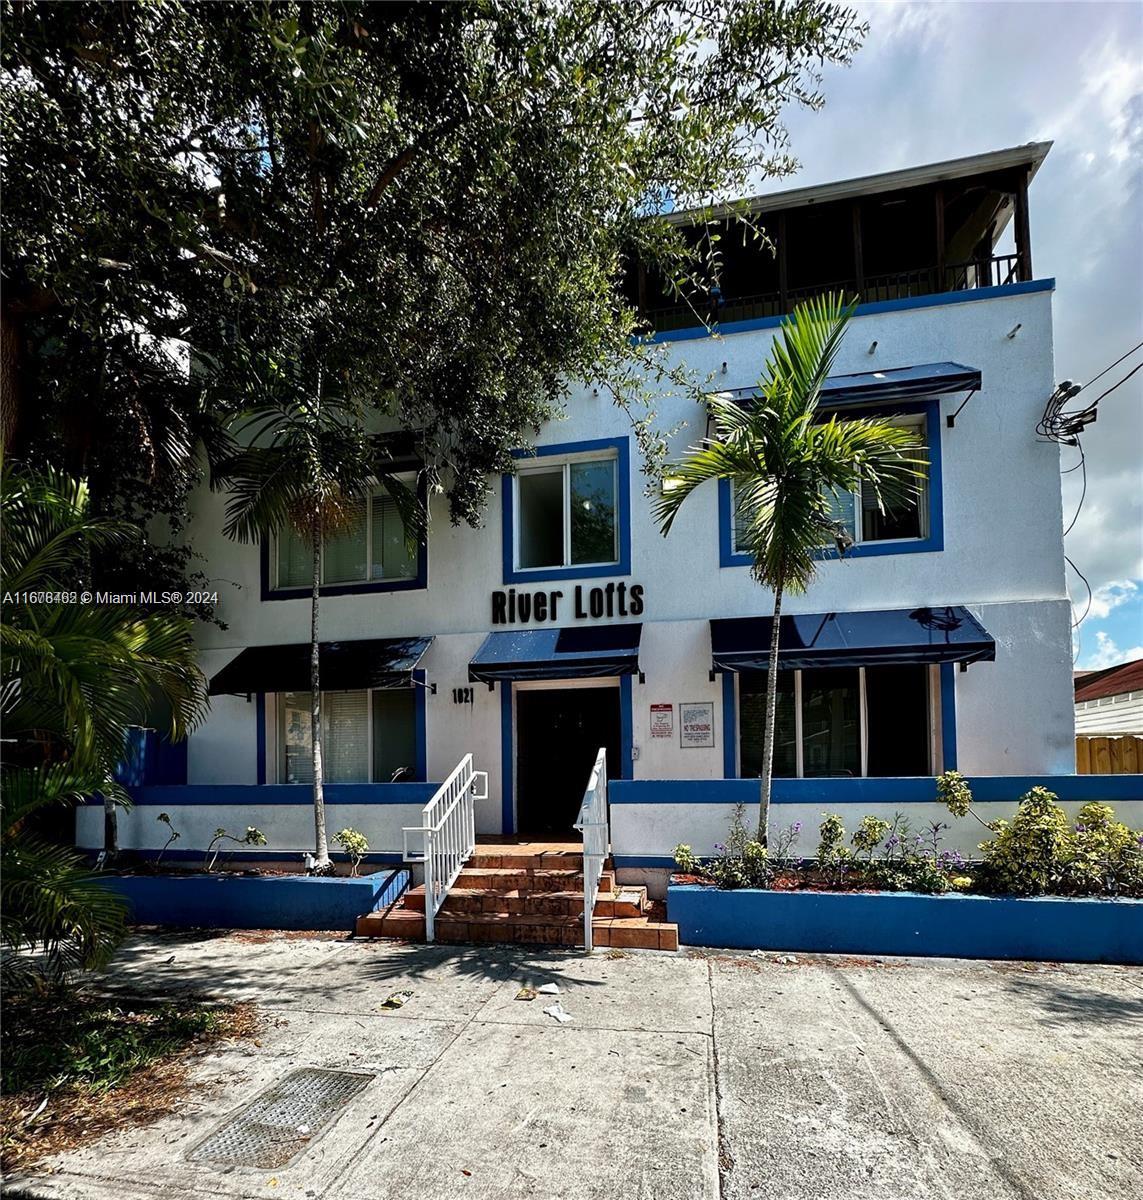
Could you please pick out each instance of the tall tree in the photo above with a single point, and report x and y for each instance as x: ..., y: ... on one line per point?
x: 436, y: 202
x: 305, y: 465
x: 784, y: 461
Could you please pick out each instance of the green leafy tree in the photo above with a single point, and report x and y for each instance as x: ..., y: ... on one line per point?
x: 783, y: 460
x: 76, y: 678
x: 439, y: 203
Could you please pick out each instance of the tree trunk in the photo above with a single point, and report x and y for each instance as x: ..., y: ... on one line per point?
x: 321, y: 845
x: 110, y: 831
x: 771, y: 719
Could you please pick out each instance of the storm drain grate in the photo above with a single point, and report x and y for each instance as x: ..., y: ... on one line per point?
x: 279, y: 1124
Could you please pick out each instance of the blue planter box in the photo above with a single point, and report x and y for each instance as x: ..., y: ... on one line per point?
x: 1047, y: 928
x: 256, y: 901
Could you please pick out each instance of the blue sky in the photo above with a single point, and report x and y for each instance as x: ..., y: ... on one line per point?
x: 941, y: 80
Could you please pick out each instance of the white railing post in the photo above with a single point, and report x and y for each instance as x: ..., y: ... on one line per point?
x: 592, y: 822
x: 448, y: 835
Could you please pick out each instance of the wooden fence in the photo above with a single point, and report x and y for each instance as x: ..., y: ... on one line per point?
x: 1109, y: 755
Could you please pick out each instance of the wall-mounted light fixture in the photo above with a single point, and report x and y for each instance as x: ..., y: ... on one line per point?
x: 872, y: 347
x: 1014, y: 331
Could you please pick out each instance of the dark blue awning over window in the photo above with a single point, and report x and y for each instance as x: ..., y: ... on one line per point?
x: 578, y: 652
x: 853, y: 639
x: 900, y: 383
x: 344, y: 666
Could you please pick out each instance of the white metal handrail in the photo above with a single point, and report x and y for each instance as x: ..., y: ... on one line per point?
x: 592, y: 823
x: 448, y: 835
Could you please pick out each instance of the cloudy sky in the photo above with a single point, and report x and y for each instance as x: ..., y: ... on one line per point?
x: 941, y: 80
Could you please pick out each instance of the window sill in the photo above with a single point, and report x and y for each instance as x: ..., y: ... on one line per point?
x: 929, y: 545
x: 345, y: 589
x: 551, y: 574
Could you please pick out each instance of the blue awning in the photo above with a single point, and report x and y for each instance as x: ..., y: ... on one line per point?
x: 578, y: 652
x: 881, y: 637
x: 344, y: 666
x: 899, y: 383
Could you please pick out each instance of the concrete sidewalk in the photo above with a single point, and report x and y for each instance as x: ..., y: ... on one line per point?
x: 678, y: 1078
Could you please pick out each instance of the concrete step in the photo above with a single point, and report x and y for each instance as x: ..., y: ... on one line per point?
x: 530, y: 879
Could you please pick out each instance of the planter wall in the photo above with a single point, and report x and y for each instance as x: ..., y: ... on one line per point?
x: 257, y: 901
x: 1047, y: 928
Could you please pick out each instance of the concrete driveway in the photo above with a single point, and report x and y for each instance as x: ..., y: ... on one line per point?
x: 677, y: 1078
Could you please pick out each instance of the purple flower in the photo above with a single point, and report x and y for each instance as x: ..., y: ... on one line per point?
x: 797, y: 827
x: 1080, y: 828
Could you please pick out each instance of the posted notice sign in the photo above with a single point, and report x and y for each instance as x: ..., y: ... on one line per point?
x: 662, y: 720
x: 696, y: 723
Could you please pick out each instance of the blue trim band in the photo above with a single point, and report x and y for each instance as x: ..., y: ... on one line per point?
x: 948, y: 717
x: 921, y: 789
x: 421, y: 723
x: 643, y: 860
x: 260, y: 738
x: 626, y: 729
x: 933, y: 542
x: 507, y: 761
x: 729, y: 726
x: 623, y: 499
x: 866, y: 310
x: 232, y: 854
x: 226, y: 794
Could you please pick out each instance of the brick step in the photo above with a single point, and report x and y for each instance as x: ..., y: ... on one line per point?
x: 627, y: 902
x: 528, y: 879
x: 497, y: 858
x: 632, y: 933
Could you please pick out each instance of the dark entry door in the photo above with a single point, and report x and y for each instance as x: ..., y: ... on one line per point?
x: 558, y: 734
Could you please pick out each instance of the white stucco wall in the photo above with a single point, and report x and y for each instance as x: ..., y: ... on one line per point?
x: 1002, y: 557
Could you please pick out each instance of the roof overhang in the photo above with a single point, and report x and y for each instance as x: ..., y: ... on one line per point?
x: 1030, y: 155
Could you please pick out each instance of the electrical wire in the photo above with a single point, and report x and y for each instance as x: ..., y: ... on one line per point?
x: 1065, y: 428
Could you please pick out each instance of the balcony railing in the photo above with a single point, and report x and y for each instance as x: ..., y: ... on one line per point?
x: 996, y: 271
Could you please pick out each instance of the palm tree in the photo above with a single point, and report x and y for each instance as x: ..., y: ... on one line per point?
x: 76, y: 676
x: 784, y: 461
x: 304, y: 464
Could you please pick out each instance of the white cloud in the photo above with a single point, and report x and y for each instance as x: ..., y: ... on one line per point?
x: 1108, y: 596
x: 1108, y: 654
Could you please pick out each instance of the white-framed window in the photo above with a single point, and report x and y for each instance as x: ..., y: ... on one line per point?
x: 858, y: 512
x: 567, y: 513
x: 840, y: 721
x: 367, y: 736
x: 370, y: 548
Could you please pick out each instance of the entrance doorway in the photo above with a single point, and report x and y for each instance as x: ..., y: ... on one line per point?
x: 558, y: 733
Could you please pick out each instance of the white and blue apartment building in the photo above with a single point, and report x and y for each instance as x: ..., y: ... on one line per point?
x: 568, y: 622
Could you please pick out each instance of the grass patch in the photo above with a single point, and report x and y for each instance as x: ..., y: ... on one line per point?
x: 77, y: 1066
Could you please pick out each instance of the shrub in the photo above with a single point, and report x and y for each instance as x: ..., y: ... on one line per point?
x: 869, y: 835
x: 252, y: 837
x: 355, y: 844
x: 1107, y: 856
x: 1030, y: 854
x: 686, y: 860
x: 954, y: 793
x: 834, y: 856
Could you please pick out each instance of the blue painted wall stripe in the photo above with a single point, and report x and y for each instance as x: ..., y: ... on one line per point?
x: 173, y: 795
x: 420, y: 715
x: 260, y: 738
x: 899, y: 790
x: 867, y: 310
x: 507, y: 760
x: 626, y: 729
x: 948, y: 716
x: 729, y: 726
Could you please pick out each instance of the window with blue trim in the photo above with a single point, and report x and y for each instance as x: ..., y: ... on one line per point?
x: 909, y: 528
x: 367, y: 736
x: 566, y: 512
x: 369, y: 548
